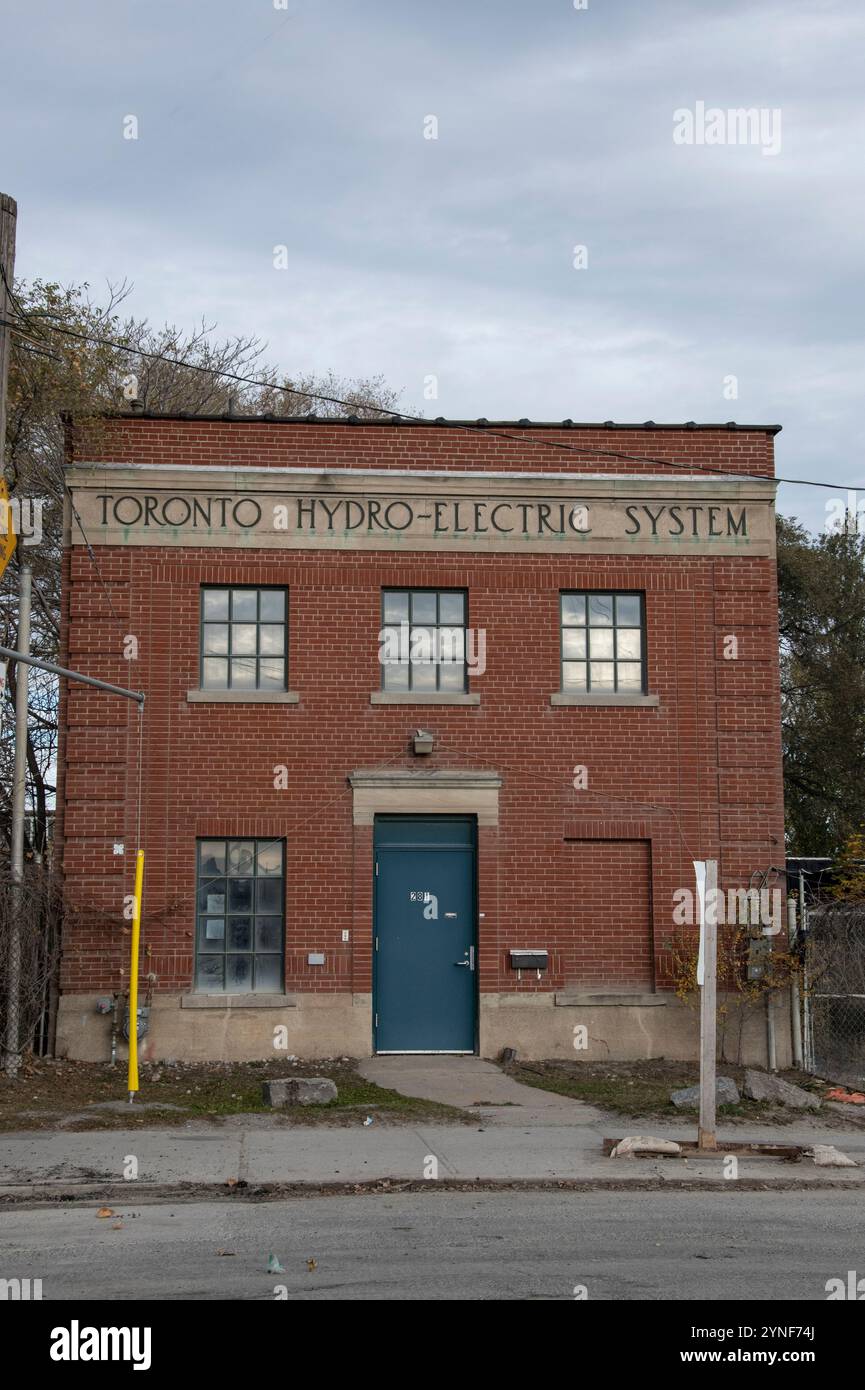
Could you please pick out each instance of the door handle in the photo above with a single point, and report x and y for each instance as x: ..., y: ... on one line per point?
x: 471, y: 960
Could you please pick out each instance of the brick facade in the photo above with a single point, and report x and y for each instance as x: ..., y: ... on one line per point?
x: 589, y: 874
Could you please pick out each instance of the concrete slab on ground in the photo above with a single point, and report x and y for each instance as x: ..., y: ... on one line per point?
x: 349, y: 1154
x: 475, y: 1084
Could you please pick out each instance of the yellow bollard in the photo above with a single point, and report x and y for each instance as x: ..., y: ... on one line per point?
x: 133, y: 975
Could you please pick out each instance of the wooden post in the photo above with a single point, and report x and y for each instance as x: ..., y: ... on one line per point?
x: 706, y: 1138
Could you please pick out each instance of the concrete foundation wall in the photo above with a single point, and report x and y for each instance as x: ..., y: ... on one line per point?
x: 539, y: 1027
x: 183, y: 1028
x: 317, y: 1025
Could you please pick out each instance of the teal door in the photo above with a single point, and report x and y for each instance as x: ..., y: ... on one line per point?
x: 425, y: 994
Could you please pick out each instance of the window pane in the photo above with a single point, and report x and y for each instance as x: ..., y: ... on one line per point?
x: 211, y: 933
x: 573, y: 608
x: 240, y: 894
x: 210, y: 974
x: 630, y: 675
x: 268, y: 933
x: 215, y: 607
x: 211, y: 895
x: 600, y: 642
x: 238, y: 975
x: 452, y: 608
x: 601, y: 610
x: 211, y: 858
x: 573, y: 642
x: 422, y: 648
x: 628, y: 610
x: 269, y: 858
x: 423, y: 677
x: 629, y: 642
x: 272, y: 639
x: 241, y: 857
x: 244, y: 605
x: 272, y: 603
x: 268, y: 973
x: 452, y: 676
x: 271, y: 674
x: 243, y: 673
x: 423, y: 608
x: 395, y: 607
x: 215, y: 639
x: 396, y: 677
x: 243, y: 639
x: 240, y: 934
x: 268, y: 895
x: 601, y: 675
x: 451, y: 644
x: 214, y: 673
x: 574, y: 675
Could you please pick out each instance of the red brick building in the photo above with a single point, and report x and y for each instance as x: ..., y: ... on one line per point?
x: 418, y: 697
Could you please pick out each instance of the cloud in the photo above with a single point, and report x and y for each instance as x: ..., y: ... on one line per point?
x: 305, y: 127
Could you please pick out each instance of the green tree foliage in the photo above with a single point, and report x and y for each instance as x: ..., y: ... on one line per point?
x: 821, y: 582
x: 848, y: 871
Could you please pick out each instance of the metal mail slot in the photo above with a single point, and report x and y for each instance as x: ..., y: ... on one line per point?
x: 530, y: 960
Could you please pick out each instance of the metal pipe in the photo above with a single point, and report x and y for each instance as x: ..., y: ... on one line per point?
x: 795, y: 1014
x: 73, y: 675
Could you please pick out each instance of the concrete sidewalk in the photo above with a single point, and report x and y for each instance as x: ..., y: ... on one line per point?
x: 38, y: 1163
x: 521, y: 1134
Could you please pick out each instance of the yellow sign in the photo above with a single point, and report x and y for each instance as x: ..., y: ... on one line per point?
x: 7, y: 528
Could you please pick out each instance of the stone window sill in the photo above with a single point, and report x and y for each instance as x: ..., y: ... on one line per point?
x: 409, y: 697
x: 242, y: 697
x: 238, y: 1001
x: 612, y: 1001
x: 562, y: 697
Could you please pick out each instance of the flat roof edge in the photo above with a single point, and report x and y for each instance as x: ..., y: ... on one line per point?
x: 481, y: 424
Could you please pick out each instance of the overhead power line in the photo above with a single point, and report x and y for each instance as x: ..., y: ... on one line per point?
x: 401, y: 415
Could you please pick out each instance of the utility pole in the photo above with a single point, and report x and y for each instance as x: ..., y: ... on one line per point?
x: 8, y: 220
x: 19, y: 788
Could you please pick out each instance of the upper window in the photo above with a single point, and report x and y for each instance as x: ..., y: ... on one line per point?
x: 239, y: 945
x: 603, y: 643
x: 422, y: 645
x: 243, y: 639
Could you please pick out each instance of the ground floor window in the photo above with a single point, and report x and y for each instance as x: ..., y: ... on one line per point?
x: 240, y: 920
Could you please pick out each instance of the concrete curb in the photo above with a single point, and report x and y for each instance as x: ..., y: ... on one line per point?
x: 46, y: 1195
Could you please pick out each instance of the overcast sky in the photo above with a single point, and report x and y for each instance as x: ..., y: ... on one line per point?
x: 453, y: 257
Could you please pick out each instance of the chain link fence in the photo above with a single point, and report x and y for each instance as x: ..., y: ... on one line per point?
x: 30, y: 926
x: 834, y: 995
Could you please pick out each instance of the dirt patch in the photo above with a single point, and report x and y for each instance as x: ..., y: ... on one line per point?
x: 54, y: 1094
x: 253, y: 1193
x: 641, y: 1090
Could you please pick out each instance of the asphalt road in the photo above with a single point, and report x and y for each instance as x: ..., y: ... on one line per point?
x: 447, y: 1245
